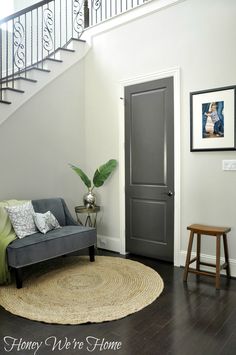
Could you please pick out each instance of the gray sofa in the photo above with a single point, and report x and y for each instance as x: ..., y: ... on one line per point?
x: 39, y: 247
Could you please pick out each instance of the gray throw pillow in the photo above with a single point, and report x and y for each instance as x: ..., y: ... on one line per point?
x: 45, y: 222
x: 21, y: 217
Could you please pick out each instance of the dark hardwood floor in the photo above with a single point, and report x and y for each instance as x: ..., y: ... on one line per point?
x: 186, y: 319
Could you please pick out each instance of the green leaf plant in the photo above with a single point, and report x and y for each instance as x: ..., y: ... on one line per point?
x: 100, y: 176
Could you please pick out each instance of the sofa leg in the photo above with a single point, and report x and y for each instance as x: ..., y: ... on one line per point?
x: 91, y: 253
x: 18, y: 275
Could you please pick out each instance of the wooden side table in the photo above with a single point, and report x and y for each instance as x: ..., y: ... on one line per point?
x: 91, y: 218
x: 216, y: 232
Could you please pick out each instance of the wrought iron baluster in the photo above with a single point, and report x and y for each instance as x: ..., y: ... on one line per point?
x: 42, y: 36
x: 78, y: 21
x: 66, y: 21
x: 13, y: 54
x: 1, y: 69
x: 72, y: 28
x: 25, y: 45
x: 37, y: 35
x: 92, y: 13
x: 19, y: 45
x: 97, y: 4
x: 48, y: 23
x: 100, y: 9
x: 86, y: 14
x: 7, y: 54
x: 60, y: 25
x: 105, y: 9
x: 96, y: 16
x: 54, y: 29
x: 31, y: 38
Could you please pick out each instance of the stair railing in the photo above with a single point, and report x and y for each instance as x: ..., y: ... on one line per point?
x: 102, y: 10
x: 35, y: 33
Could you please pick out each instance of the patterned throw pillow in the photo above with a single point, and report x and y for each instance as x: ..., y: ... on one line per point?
x: 46, y: 222
x: 21, y: 217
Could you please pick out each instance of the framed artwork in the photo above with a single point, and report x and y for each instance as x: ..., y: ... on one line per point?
x: 212, y: 119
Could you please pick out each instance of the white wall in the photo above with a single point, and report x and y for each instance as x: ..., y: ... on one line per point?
x: 197, y: 36
x: 22, y: 4
x: 6, y: 9
x: 39, y: 140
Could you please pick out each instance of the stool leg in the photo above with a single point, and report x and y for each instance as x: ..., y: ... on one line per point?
x: 218, y: 261
x: 226, y: 255
x: 188, y: 257
x: 198, y: 252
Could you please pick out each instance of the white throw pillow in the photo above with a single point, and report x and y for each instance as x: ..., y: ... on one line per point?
x: 21, y: 217
x: 46, y: 222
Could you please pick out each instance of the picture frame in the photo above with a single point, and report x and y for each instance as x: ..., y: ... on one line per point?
x: 213, y: 120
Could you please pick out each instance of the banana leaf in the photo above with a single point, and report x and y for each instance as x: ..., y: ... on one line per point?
x: 103, y: 172
x: 82, y: 175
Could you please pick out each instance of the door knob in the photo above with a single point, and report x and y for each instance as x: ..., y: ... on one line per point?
x: 170, y: 193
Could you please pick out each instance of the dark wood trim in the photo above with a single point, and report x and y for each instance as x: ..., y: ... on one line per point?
x: 227, y: 266
x: 185, y: 319
x: 190, y: 244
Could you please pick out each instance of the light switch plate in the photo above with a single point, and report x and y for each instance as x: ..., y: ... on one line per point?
x: 229, y: 164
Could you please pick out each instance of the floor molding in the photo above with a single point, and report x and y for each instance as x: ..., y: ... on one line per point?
x: 108, y: 243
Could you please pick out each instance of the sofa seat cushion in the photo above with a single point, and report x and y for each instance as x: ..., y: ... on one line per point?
x: 39, y: 247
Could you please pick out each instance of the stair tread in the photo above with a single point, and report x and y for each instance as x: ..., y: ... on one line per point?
x: 5, y: 102
x: 78, y: 39
x: 54, y: 60
x: 66, y: 49
x: 26, y: 79
x: 13, y: 89
x: 41, y: 69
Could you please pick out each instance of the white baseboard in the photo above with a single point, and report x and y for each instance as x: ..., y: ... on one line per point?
x: 113, y: 244
x: 209, y: 259
x: 108, y: 243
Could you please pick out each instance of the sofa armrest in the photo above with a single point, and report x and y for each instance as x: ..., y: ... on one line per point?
x: 69, y: 219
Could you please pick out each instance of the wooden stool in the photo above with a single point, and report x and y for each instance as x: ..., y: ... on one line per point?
x: 217, y: 232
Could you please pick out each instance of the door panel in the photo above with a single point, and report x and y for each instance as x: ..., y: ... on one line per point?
x: 148, y: 210
x: 149, y: 163
x: 144, y: 125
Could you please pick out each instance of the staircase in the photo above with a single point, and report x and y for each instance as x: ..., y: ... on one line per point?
x: 40, y: 42
x: 21, y: 88
x: 35, y: 36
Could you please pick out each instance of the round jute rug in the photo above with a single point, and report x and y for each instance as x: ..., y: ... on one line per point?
x: 73, y: 290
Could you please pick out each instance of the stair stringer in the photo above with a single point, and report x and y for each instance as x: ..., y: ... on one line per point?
x: 43, y: 78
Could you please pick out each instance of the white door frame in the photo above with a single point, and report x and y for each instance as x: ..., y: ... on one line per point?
x: 175, y: 73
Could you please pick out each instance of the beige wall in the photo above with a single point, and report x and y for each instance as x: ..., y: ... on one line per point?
x: 39, y: 140
x: 197, y: 36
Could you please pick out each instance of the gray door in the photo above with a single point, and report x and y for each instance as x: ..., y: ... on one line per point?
x: 149, y: 169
